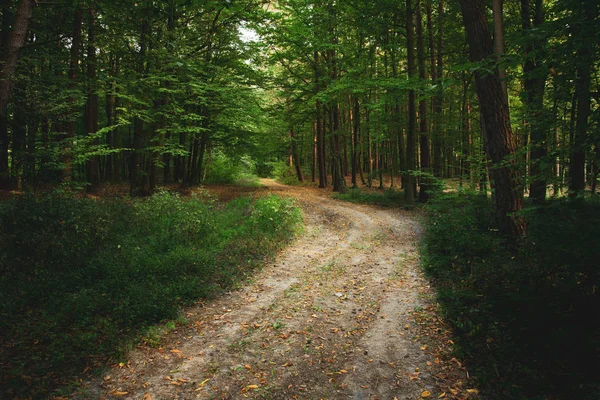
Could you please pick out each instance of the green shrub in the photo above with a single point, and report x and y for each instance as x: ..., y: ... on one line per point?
x: 523, y: 317
x: 223, y: 170
x: 388, y: 197
x: 282, y: 173
x: 81, y: 278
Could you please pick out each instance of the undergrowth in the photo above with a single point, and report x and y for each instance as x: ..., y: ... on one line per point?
x: 81, y: 278
x: 225, y: 170
x: 387, y: 198
x: 526, y: 319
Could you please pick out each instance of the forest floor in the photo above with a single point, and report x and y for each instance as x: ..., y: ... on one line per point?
x: 343, y: 313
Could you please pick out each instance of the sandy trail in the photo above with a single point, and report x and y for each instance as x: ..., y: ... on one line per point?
x: 328, y: 318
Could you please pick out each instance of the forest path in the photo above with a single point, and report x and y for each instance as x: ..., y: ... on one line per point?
x: 331, y: 317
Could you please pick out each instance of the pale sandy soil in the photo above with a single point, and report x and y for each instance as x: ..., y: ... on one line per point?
x: 339, y: 314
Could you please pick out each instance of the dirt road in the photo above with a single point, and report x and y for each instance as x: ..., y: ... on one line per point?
x: 331, y: 317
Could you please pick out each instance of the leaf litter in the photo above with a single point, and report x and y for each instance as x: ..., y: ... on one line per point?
x: 344, y: 313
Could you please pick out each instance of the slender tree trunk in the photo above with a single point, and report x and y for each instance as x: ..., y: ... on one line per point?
x: 438, y: 99
x: 92, y: 104
x: 500, y: 141
x: 320, y: 133
x: 423, y: 128
x: 535, y: 81
x: 583, y: 81
x: 409, y: 179
x: 313, y: 169
x: 355, y: 136
x: 19, y: 130
x: 295, y: 158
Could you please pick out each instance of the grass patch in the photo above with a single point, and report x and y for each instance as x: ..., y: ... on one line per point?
x: 385, y: 198
x: 526, y: 319
x: 81, y: 278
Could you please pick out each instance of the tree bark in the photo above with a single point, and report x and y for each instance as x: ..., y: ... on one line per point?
x: 295, y: 158
x: 584, y: 61
x: 423, y: 128
x: 497, y: 11
x: 92, y: 104
x: 500, y: 144
x: 535, y: 81
x: 409, y: 179
x: 10, y: 56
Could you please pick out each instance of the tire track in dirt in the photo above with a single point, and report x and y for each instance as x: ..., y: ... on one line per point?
x: 329, y: 318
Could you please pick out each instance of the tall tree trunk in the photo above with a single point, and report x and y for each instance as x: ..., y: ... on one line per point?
x: 500, y: 142
x: 409, y: 179
x: 10, y: 56
x: 355, y: 136
x: 320, y: 133
x: 92, y: 104
x: 75, y: 57
x: 423, y: 128
x: 535, y: 81
x: 136, y: 180
x: 584, y: 62
x: 438, y: 99
x: 295, y: 158
x: 497, y: 11
x: 19, y: 130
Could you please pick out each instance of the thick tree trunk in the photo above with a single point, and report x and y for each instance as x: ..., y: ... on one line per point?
x: 497, y: 11
x: 10, y: 56
x: 500, y: 143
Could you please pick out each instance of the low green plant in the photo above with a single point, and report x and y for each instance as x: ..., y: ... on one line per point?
x: 524, y: 317
x: 225, y: 170
x: 81, y: 278
x: 386, y: 198
x: 282, y: 173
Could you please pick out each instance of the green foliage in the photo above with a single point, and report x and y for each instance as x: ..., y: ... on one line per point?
x: 80, y: 278
x: 282, y: 173
x: 228, y: 170
x: 388, y: 198
x: 524, y: 317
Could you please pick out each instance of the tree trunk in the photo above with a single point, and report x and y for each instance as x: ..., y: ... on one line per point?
x: 438, y: 99
x: 409, y: 179
x: 423, y: 128
x: 500, y: 144
x: 584, y: 62
x: 92, y: 104
x: 535, y: 81
x: 10, y: 56
x: 355, y: 136
x: 497, y: 11
x: 295, y: 158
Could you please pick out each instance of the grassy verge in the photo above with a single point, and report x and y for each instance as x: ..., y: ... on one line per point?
x: 526, y: 320
x: 385, y: 198
x: 81, y: 278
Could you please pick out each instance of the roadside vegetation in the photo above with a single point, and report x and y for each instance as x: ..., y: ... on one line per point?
x: 524, y: 316
x: 81, y: 279
x: 387, y: 198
